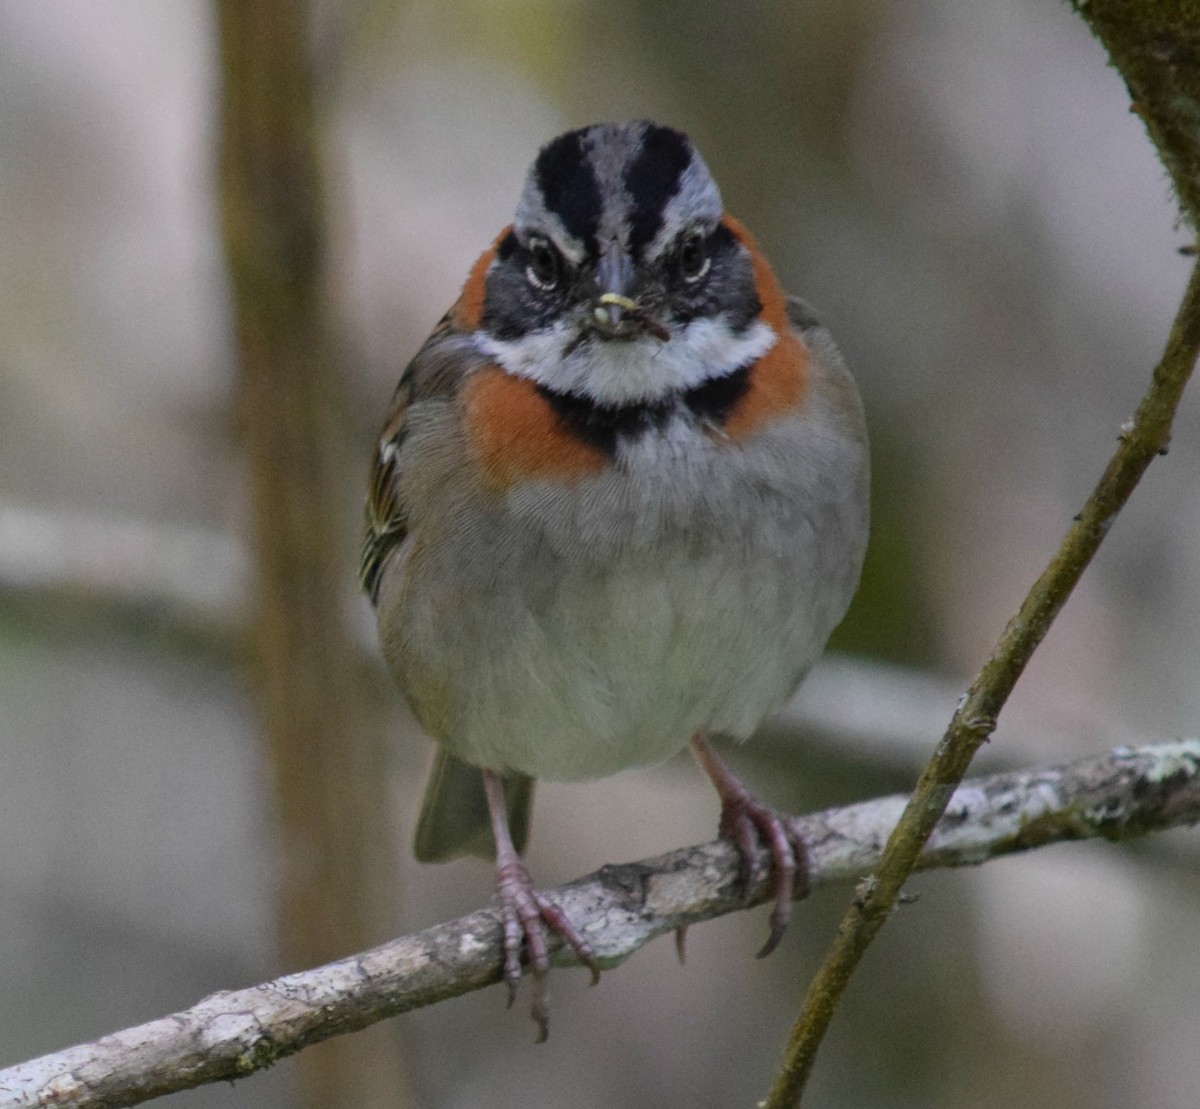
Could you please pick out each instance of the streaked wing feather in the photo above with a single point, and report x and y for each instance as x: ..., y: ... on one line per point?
x: 386, y: 518
x: 435, y: 372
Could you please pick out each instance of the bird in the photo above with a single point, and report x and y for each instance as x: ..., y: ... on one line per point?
x: 618, y: 505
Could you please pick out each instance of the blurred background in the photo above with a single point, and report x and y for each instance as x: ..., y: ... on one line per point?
x: 961, y: 191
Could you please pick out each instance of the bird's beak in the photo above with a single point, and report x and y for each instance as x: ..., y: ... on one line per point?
x: 614, y: 309
x: 615, y: 314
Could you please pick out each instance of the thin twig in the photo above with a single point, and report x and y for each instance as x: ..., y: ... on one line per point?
x: 1145, y: 437
x: 232, y: 1034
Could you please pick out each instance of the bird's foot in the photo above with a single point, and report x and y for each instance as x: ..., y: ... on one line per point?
x: 528, y: 915
x: 749, y: 823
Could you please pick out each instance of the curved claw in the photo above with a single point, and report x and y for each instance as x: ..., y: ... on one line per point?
x: 681, y: 944
x: 749, y: 823
x: 528, y: 915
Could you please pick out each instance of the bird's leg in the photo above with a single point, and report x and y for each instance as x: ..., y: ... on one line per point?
x: 746, y: 822
x: 527, y: 913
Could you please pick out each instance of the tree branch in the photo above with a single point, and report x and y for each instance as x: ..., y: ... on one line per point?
x: 1126, y: 793
x: 195, y: 575
x: 1154, y: 45
x: 1145, y: 437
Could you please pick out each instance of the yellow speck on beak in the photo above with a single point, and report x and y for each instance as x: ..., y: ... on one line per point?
x: 617, y: 300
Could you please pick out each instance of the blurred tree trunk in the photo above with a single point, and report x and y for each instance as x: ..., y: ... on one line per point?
x: 328, y: 792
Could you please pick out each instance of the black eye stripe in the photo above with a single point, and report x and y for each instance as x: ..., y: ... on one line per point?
x: 693, y: 253
x: 513, y: 306
x: 507, y: 246
x: 721, y: 239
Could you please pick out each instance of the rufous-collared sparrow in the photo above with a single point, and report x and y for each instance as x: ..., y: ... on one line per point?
x: 618, y: 506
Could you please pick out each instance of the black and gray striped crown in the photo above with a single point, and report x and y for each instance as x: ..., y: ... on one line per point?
x: 638, y: 183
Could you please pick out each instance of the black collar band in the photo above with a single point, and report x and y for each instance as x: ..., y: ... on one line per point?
x: 602, y: 425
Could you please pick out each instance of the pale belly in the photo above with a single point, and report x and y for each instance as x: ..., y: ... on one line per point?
x: 567, y: 671
x: 576, y: 632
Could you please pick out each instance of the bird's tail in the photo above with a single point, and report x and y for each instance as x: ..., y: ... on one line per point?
x: 454, y: 813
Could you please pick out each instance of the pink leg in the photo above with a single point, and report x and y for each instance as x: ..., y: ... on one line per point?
x: 527, y: 914
x: 746, y: 821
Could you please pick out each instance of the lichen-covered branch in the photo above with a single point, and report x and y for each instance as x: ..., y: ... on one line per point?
x: 1128, y: 792
x: 1155, y: 45
x: 1141, y: 440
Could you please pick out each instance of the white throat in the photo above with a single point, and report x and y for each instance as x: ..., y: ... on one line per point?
x: 616, y: 372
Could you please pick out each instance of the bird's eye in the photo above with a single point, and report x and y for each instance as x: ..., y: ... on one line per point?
x: 693, y: 257
x: 543, y: 269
